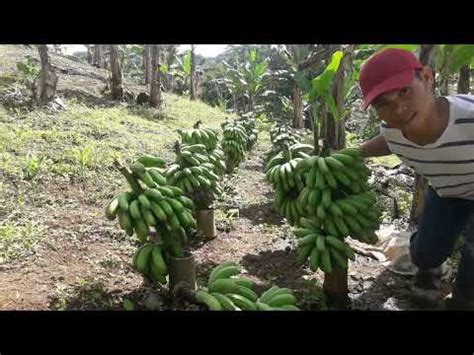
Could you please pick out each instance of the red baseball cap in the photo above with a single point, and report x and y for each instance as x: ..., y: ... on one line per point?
x: 387, y: 70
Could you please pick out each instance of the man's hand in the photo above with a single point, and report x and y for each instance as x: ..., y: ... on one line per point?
x: 375, y: 147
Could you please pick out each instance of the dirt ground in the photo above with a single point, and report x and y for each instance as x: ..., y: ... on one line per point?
x: 83, y: 261
x: 88, y: 267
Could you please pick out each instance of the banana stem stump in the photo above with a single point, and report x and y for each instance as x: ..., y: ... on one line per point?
x: 206, y: 223
x: 336, y: 289
x: 182, y: 272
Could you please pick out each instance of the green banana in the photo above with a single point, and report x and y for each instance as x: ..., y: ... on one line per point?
x: 209, y: 300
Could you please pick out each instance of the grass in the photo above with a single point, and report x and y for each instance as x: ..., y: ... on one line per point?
x: 78, y: 146
x: 84, y: 140
x: 390, y: 160
x: 86, y: 294
x: 17, y: 241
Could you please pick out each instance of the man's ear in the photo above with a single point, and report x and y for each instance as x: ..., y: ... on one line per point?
x: 427, y: 75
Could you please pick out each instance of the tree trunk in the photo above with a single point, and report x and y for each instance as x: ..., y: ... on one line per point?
x: 427, y: 57
x: 250, y: 103
x: 147, y: 60
x: 197, y: 85
x: 297, y: 107
x: 155, y: 85
x: 464, y: 80
x: 336, y: 288
x: 145, y: 63
x: 443, y: 85
x: 98, y: 62
x: 47, y: 79
x: 116, y: 81
x: 121, y: 55
x: 89, y: 54
x: 324, y: 114
x: 444, y: 76
x: 170, y: 56
x: 314, y: 113
x: 335, y: 283
x: 234, y: 100
x: 193, y: 68
x: 335, y: 132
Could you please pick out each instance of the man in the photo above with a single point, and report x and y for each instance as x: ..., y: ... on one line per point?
x: 435, y: 136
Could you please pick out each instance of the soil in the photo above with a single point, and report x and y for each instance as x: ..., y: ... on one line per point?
x: 88, y: 267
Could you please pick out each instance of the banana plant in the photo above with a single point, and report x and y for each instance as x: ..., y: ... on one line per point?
x: 319, y: 88
x: 169, y: 57
x: 295, y: 56
x: 245, y: 79
x: 450, y: 59
x: 234, y: 82
x: 180, y: 69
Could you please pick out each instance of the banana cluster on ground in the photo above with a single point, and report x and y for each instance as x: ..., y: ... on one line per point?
x: 323, y: 249
x: 287, y: 181
x: 149, y: 261
x: 151, y: 203
x: 277, y: 299
x: 228, y: 291
x: 338, y: 196
x: 234, y: 142
x: 194, y: 174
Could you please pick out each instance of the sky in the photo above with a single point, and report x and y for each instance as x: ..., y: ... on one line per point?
x: 206, y: 50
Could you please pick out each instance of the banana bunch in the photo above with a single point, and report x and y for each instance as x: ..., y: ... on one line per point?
x: 286, y: 202
x: 217, y: 157
x: 196, y: 135
x: 281, y: 137
x: 149, y: 261
x: 234, y: 142
x: 188, y: 155
x: 212, y: 149
x: 227, y: 290
x: 323, y: 250
x: 250, y: 125
x: 344, y: 169
x: 280, y: 129
x: 288, y: 182
x: 338, y: 196
x: 151, y: 203
x: 194, y: 173
x: 284, y: 139
x: 281, y: 169
x: 277, y: 299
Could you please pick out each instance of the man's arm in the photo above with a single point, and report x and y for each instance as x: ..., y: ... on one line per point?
x: 375, y: 147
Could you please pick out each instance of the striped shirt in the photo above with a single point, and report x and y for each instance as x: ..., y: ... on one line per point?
x: 448, y: 163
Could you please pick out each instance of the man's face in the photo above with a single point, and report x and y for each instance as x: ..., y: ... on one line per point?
x: 409, y: 108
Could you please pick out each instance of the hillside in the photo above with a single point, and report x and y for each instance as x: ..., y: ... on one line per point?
x: 58, y: 251
x: 56, y: 170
